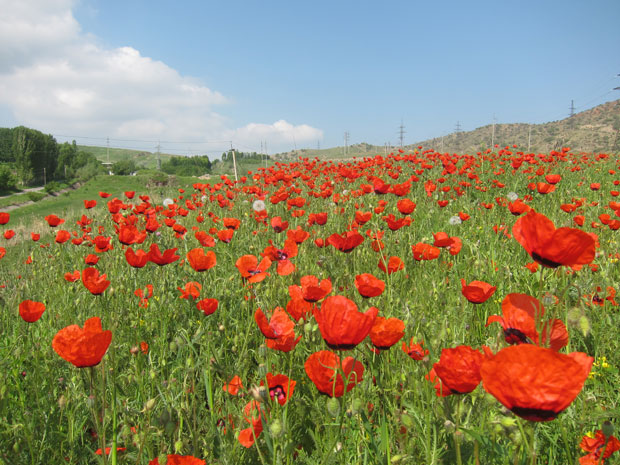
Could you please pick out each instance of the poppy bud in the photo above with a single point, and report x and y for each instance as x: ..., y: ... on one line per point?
x: 275, y: 428
x: 333, y: 406
x: 62, y: 402
x: 178, y: 446
x: 607, y: 428
x: 149, y: 404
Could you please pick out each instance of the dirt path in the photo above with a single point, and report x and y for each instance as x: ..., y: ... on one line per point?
x: 15, y: 206
x: 24, y: 191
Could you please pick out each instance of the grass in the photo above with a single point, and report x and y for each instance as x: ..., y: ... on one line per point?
x: 171, y: 397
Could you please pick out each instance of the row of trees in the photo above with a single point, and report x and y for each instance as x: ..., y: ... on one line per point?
x: 29, y: 157
x: 187, y: 166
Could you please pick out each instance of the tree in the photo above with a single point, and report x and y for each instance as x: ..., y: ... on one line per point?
x: 124, y: 167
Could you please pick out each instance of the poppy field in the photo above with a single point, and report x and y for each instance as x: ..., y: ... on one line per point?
x: 413, y: 308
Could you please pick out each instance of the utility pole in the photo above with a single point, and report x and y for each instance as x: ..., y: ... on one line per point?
x: 457, y: 128
x: 108, y: 148
x: 234, y: 160
x: 158, y: 157
x: 571, y: 114
x: 401, y: 133
x: 44, y: 180
x: 346, y: 143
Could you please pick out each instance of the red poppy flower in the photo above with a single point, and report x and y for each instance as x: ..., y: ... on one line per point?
x: 324, y: 370
x: 281, y: 387
x: 415, y: 351
x: 91, y: 259
x: 208, y: 306
x: 253, y: 415
x: 535, y: 383
x: 405, y: 206
x: 312, y: 290
x: 62, y: 236
x: 394, y: 264
x: 282, y: 256
x: 251, y: 270
x: 204, y: 239
x: 53, y: 220
x: 595, y: 446
x: 128, y: 234
x: 362, y: 217
x: 144, y: 298
x: 191, y: 289
x: 279, y: 330
x: 422, y: 251
x: 35, y: 237
x: 553, y: 247
x: 233, y: 386
x: 103, y: 195
x: 368, y: 285
x: 93, y: 282
x: 72, y: 277
x: 225, y: 235
x: 200, y: 261
x: 174, y: 459
x: 458, y: 370
x: 168, y: 256
x: 386, y: 332
x: 341, y: 324
x: 31, y: 311
x: 297, y: 234
x: 278, y: 225
x: 477, y: 292
x: 520, y: 313
x: 136, y: 259
x: 4, y: 218
x: 345, y: 242
x: 103, y: 244
x: 82, y: 347
x: 553, y: 178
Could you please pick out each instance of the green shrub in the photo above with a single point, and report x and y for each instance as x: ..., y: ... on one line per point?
x: 7, y: 180
x: 35, y: 196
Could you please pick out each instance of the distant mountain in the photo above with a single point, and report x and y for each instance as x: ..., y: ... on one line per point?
x: 594, y: 130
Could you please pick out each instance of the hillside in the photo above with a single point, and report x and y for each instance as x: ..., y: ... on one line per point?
x: 594, y: 130
x: 141, y: 158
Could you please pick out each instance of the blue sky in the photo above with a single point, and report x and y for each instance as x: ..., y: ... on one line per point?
x: 197, y: 74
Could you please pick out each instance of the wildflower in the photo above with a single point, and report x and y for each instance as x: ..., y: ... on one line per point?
x: 368, y: 285
x: 31, y: 311
x: 341, y: 324
x: 174, y: 459
x: 191, y: 289
x: 533, y: 382
x: 251, y: 270
x: 94, y: 282
x: 595, y: 446
x: 82, y: 347
x: 553, y: 247
x: 200, y: 261
x: 280, y: 387
x: 477, y: 292
x: 207, y: 306
x: 233, y: 386
x: 386, y: 332
x: 457, y: 371
x: 415, y: 351
x: 324, y: 370
x: 258, y: 206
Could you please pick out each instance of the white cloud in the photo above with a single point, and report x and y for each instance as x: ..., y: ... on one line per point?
x: 56, y: 78
x: 278, y: 134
